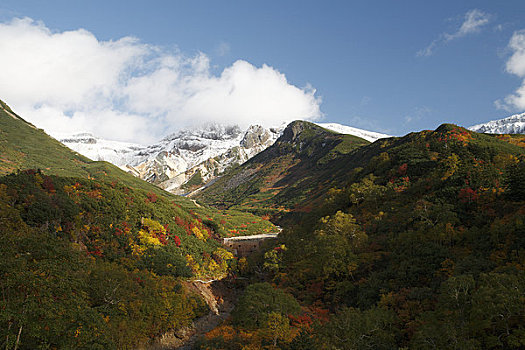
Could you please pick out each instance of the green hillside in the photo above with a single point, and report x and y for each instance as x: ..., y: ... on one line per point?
x: 421, y: 247
x: 288, y: 176
x: 94, y: 258
x: 23, y: 146
x: 415, y: 242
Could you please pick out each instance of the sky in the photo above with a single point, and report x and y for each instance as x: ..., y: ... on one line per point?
x: 137, y: 71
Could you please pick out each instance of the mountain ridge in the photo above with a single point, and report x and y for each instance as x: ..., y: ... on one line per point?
x: 189, y: 158
x: 279, y: 180
x: 514, y: 124
x: 287, y: 174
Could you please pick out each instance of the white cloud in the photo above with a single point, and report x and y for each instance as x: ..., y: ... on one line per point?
x: 473, y: 22
x: 515, y: 65
x: 126, y: 90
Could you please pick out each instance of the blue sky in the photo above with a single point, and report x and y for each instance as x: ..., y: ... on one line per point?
x: 361, y: 57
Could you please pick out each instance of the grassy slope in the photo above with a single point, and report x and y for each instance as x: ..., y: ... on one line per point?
x: 23, y: 146
x: 288, y: 175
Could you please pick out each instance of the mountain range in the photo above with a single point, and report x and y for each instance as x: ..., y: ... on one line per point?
x: 188, y: 159
x: 515, y: 124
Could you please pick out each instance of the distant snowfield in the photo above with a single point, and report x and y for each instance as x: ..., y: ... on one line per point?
x: 364, y: 134
x: 116, y: 152
x: 515, y: 124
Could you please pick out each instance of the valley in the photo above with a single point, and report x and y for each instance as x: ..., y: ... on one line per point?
x: 262, y: 175
x: 396, y: 242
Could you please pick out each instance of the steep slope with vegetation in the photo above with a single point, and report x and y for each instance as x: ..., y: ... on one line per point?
x: 289, y: 175
x: 23, y: 146
x: 93, y: 258
x: 422, y: 248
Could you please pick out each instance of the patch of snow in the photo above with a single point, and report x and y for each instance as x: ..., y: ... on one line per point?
x: 116, y: 152
x: 364, y: 134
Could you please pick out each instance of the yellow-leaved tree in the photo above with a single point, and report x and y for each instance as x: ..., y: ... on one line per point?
x: 150, y: 235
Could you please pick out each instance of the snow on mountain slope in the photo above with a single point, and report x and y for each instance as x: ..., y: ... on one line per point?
x: 343, y: 129
x: 515, y: 124
x: 201, y: 154
x: 185, y: 149
x: 118, y: 153
x: 176, y: 159
x: 190, y: 158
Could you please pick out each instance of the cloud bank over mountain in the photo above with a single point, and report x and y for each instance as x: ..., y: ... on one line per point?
x: 127, y: 90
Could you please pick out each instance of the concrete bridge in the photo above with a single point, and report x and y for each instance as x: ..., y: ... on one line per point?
x: 245, y: 245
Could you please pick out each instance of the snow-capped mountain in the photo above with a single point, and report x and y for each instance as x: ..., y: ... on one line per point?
x: 343, y: 129
x: 515, y: 124
x: 190, y: 158
x: 181, y: 160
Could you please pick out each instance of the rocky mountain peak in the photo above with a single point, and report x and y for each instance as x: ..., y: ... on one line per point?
x: 255, y: 135
x: 298, y: 130
x: 211, y: 131
x: 201, y: 153
x: 515, y: 124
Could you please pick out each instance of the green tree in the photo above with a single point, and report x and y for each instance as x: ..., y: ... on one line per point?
x: 336, y: 245
x: 355, y: 329
x: 515, y: 178
x: 258, y: 301
x: 166, y: 261
x: 498, y: 310
x: 277, y: 327
x: 488, y: 313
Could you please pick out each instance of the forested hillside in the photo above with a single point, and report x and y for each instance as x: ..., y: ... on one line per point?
x: 93, y: 258
x: 422, y: 248
x: 413, y: 242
